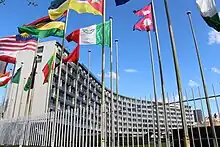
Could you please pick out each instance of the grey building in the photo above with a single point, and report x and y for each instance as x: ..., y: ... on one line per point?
x: 134, y: 114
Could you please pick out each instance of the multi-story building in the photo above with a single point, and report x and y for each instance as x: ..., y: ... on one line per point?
x: 134, y: 114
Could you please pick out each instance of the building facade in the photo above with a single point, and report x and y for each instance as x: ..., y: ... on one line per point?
x: 134, y: 116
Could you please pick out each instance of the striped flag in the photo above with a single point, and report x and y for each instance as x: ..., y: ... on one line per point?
x: 10, y: 46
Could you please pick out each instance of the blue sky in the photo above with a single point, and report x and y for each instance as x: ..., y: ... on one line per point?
x: 134, y: 62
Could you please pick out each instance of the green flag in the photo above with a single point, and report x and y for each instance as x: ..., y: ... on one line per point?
x: 30, y: 84
x: 16, y: 77
x: 27, y: 85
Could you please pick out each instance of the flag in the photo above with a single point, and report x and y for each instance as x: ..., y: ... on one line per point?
x: 145, y: 23
x: 58, y: 7
x: 30, y: 83
x: 209, y: 13
x: 48, y: 68
x: 121, y: 2
x: 74, y: 56
x: 147, y: 10
x: 91, y: 35
x: 4, y: 79
x: 10, y: 46
x: 45, y: 27
x: 16, y: 77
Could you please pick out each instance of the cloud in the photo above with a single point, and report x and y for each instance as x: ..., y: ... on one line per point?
x: 108, y: 75
x: 193, y: 83
x: 130, y: 70
x: 214, y: 37
x: 216, y: 70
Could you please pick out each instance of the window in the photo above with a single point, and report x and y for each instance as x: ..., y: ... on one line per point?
x: 40, y: 49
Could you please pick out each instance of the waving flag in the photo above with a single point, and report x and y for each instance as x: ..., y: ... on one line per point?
x: 45, y: 27
x: 74, y: 56
x: 91, y: 35
x: 10, y: 46
x: 121, y: 2
x: 146, y: 21
x: 147, y: 10
x: 209, y: 13
x: 58, y: 7
x: 4, y: 79
x: 48, y: 68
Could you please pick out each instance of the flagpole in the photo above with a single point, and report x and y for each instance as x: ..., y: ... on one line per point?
x: 59, y: 78
x: 87, y: 100
x: 103, y: 116
x: 19, y: 109
x: 75, y: 105
x: 203, y: 81
x: 29, y: 99
x: 117, y: 98
x: 155, y: 89
x: 161, y: 75
x: 50, y: 82
x: 111, y: 87
x: 16, y: 94
x: 178, y: 79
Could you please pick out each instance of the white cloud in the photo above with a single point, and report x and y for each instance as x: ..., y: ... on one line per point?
x: 108, y: 75
x: 193, y: 83
x: 216, y: 70
x: 214, y: 37
x: 131, y: 70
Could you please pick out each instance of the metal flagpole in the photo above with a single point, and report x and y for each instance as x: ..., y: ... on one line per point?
x: 77, y: 125
x: 16, y: 94
x: 194, y: 102
x: 87, y: 100
x: 97, y: 125
x: 191, y: 127
x: 83, y: 126
x: 216, y: 101
x: 80, y: 122
x: 50, y: 82
x: 94, y: 121
x: 59, y: 79
x: 142, y: 123
x: 154, y: 134
x: 122, y: 121
x: 203, y: 113
x: 64, y: 106
x: 128, y: 135
x: 112, y: 99
x: 20, y: 103
x: 137, y: 136
x: 178, y: 132
x: 203, y: 82
x: 75, y: 104
x: 154, y: 87
x: 170, y: 120
x: 103, y: 111
x: 178, y: 80
x: 148, y: 135
x: 161, y: 76
x: 117, y: 98
x: 132, y: 129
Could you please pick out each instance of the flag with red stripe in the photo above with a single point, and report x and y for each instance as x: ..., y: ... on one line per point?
x: 10, y: 46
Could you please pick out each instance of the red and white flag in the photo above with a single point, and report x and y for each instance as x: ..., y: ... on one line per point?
x: 9, y: 47
x: 4, y: 78
x: 147, y: 10
x: 146, y: 22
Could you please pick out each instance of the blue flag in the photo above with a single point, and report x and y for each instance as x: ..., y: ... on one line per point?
x: 121, y: 2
